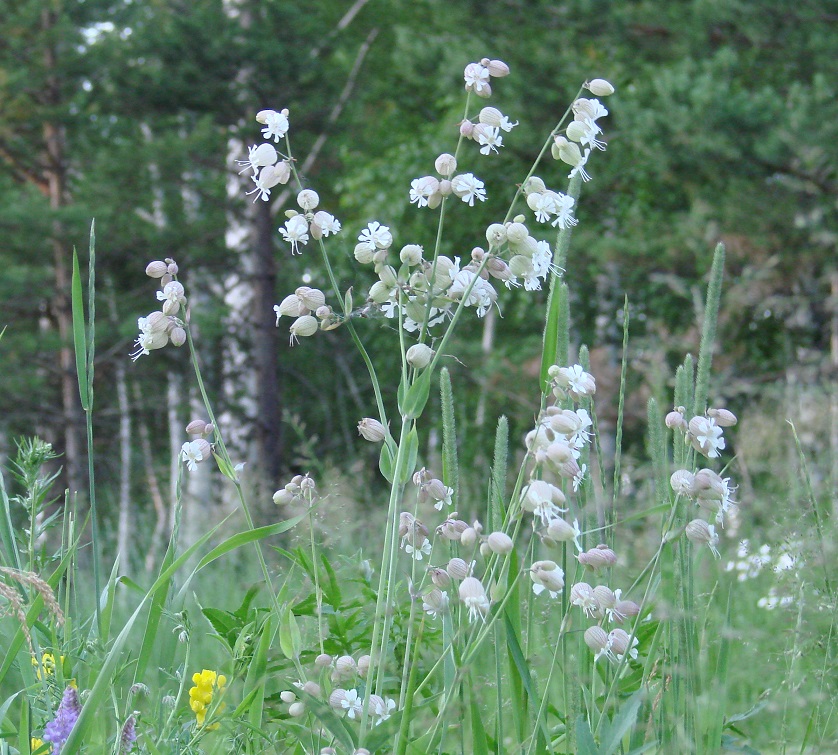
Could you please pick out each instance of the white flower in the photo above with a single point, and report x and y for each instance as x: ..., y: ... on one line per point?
x: 381, y: 708
x: 474, y: 598
x: 706, y: 436
x: 418, y: 553
x: 327, y: 223
x: 579, y: 167
x: 579, y: 477
x: 468, y: 188
x: 352, y: 703
x: 547, y: 575
x: 422, y: 189
x: 376, y: 236
x: 542, y: 499
x: 268, y: 177
x: 191, y: 453
x: 276, y: 124
x: 258, y: 157
x: 476, y: 77
x: 490, y: 139
x: 295, y: 231
x: 147, y: 341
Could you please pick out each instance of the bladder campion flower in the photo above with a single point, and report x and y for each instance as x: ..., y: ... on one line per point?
x: 207, y: 684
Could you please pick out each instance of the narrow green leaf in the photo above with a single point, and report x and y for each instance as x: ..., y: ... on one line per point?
x: 708, y: 330
x: 623, y: 721
x: 554, y: 345
x: 290, y: 641
x: 23, y: 738
x: 79, y: 337
x: 478, y: 733
x: 500, y: 463
x: 585, y: 744
x: 450, y: 467
x: 409, y: 456
x: 257, y: 671
x: 416, y: 397
x: 386, y: 461
x: 249, y: 536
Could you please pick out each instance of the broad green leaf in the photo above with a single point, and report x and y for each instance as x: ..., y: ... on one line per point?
x: 290, y: 641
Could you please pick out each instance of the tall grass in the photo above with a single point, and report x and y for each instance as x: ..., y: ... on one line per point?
x: 540, y: 627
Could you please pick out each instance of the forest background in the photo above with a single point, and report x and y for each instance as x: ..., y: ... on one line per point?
x: 723, y: 128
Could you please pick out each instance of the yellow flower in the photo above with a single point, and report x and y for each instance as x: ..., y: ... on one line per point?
x: 200, y: 696
x: 46, y: 665
x: 35, y: 743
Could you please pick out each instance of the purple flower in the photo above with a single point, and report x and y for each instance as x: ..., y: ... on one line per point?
x: 58, y: 730
x: 129, y: 735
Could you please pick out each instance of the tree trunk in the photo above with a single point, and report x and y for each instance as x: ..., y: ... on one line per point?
x: 55, y: 173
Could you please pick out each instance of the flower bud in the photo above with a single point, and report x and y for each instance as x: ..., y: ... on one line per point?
x: 439, y: 577
x: 411, y: 254
x: 600, y: 87
x: 290, y: 306
x: 625, y: 609
x: 497, y: 68
x: 323, y: 660
x: 197, y: 427
x: 177, y: 336
x: 467, y: 129
x: 419, y: 355
x: 548, y: 575
x: 496, y: 234
x: 364, y: 665
x: 596, y: 638
x: 598, y: 557
x: 337, y: 698
x: 516, y: 233
x: 500, y: 542
x: 308, y: 199
x: 287, y: 696
x: 534, y: 185
x: 312, y: 298
x: 372, y: 430
x: 723, y: 417
x: 457, y: 568
x: 297, y: 710
x: 445, y: 165
x: 700, y: 532
x: 469, y: 537
x: 312, y: 688
x: 618, y: 642
x: 576, y: 131
x: 156, y: 269
x: 676, y: 420
x: 363, y: 253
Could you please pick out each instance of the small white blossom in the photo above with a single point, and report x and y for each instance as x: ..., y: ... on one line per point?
x: 295, y: 231
x: 376, y: 236
x: 468, y: 188
x: 276, y: 124
x: 477, y: 78
x: 352, y: 703
x: 422, y: 189
x: 327, y: 223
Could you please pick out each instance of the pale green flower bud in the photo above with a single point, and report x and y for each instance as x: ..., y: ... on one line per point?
x: 380, y: 292
x: 177, y: 336
x: 363, y: 253
x: 372, y: 430
x: 500, y: 542
x: 297, y: 710
x: 291, y: 306
x: 303, y: 327
x: 469, y: 537
x: 516, y: 233
x: 312, y: 298
x: 411, y: 254
x: 419, y: 355
x: 534, y: 185
x: 600, y: 87
x: 496, y: 234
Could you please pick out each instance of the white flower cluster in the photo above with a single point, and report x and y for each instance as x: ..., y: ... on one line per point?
x: 310, y: 312
x: 264, y: 160
x: 583, y: 130
x: 429, y: 191
x: 162, y: 327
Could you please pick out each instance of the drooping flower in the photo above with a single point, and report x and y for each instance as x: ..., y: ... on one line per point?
x: 58, y: 730
x: 706, y: 436
x: 477, y: 79
x: 258, y: 157
x: 295, y: 231
x: 193, y: 452
x: 474, y: 598
x: 276, y: 123
x: 547, y: 575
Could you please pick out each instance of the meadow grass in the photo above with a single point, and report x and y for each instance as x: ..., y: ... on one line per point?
x: 565, y: 618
